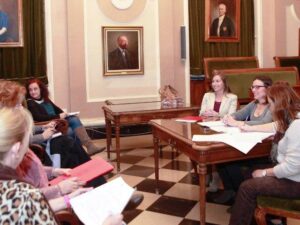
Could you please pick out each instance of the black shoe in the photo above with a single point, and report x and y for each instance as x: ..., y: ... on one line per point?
x: 224, y: 197
x: 134, y: 201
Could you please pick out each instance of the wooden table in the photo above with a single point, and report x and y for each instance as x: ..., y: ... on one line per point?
x: 139, y: 113
x: 204, y: 153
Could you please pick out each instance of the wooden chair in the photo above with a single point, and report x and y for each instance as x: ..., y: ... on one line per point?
x: 224, y: 63
x: 67, y: 217
x: 287, y: 61
x: 276, y: 206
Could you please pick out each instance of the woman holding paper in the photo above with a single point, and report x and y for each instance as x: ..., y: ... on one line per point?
x: 282, y: 179
x: 32, y: 207
x: 219, y: 101
x: 43, y: 109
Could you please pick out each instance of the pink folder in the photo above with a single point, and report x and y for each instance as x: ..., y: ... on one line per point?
x: 87, y: 171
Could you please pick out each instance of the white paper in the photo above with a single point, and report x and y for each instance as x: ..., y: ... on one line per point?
x: 212, y: 123
x: 93, y: 207
x: 73, y: 113
x: 242, y: 141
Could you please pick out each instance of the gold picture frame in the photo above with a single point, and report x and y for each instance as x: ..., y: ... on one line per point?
x: 123, y: 51
x: 222, y: 20
x: 11, y: 23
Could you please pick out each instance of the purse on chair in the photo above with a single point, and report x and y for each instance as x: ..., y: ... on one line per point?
x: 61, y: 126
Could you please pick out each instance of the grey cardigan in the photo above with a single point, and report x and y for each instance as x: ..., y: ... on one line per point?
x: 247, y: 114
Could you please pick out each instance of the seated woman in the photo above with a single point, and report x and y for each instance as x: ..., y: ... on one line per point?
x: 283, y: 178
x: 256, y: 112
x: 219, y: 101
x: 32, y: 207
x: 43, y: 109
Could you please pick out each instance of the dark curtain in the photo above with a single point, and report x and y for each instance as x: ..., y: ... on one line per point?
x: 22, y: 63
x: 200, y: 49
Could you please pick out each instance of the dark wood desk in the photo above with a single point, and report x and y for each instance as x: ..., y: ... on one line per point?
x: 180, y: 136
x: 139, y: 113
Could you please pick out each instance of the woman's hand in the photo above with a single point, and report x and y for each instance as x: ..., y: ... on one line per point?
x: 210, y: 112
x: 48, y: 133
x: 113, y: 220
x: 79, y: 191
x: 230, y: 121
x: 246, y: 127
x: 50, y: 125
x: 70, y: 185
x: 258, y: 173
x: 60, y: 171
x: 63, y: 115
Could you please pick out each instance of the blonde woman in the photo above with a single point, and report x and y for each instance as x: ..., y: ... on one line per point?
x: 32, y: 207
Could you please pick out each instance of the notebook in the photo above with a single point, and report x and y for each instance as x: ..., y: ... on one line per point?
x: 87, y: 171
x: 190, y: 119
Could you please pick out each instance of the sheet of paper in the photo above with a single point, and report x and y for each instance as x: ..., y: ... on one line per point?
x: 212, y: 123
x: 93, y: 207
x: 73, y: 113
x: 243, y: 141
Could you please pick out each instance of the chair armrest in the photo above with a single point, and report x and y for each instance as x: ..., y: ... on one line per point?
x: 67, y: 216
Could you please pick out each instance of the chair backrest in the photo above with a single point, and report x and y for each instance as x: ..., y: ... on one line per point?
x: 224, y: 63
x: 240, y: 80
x: 287, y: 61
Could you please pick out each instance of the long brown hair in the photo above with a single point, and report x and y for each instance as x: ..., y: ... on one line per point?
x: 11, y: 93
x: 286, y: 104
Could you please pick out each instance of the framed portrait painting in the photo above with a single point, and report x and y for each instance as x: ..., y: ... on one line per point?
x: 123, y: 51
x: 222, y: 20
x: 11, y: 23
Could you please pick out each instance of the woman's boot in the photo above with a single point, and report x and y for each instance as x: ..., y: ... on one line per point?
x: 87, y: 142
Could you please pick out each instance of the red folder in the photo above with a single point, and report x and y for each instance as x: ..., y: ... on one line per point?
x: 190, y: 119
x: 87, y: 171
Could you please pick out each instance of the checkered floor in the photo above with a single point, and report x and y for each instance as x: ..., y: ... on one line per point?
x: 177, y: 201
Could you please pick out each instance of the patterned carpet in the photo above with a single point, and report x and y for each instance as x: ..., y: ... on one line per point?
x: 177, y: 201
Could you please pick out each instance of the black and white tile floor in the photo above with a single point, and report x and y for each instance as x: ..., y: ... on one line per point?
x: 177, y: 201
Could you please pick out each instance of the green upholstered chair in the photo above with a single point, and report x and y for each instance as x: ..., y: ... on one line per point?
x: 224, y: 63
x: 276, y: 206
x: 240, y: 80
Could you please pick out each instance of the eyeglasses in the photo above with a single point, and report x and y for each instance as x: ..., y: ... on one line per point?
x: 256, y: 86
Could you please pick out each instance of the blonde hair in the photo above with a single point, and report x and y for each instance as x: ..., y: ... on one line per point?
x: 11, y: 93
x: 15, y: 124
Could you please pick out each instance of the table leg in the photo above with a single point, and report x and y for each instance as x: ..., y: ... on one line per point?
x: 108, y: 136
x: 202, y: 194
x: 117, y: 128
x: 156, y: 157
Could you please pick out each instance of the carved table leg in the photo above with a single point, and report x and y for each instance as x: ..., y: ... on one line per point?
x: 108, y: 136
x: 156, y: 156
x: 202, y: 194
x: 117, y: 124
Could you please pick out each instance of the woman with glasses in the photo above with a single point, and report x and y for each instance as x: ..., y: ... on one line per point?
x: 257, y: 111
x: 282, y: 177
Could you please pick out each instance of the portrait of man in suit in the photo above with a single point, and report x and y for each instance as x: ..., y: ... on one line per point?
x: 123, y: 51
x: 222, y: 20
x: 223, y: 25
x: 121, y: 58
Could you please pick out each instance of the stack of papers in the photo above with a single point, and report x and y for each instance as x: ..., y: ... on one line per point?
x: 190, y: 119
x: 93, y: 207
x: 243, y: 141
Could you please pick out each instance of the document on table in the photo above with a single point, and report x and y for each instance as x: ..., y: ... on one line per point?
x: 73, y: 113
x: 93, y: 207
x: 243, y: 142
